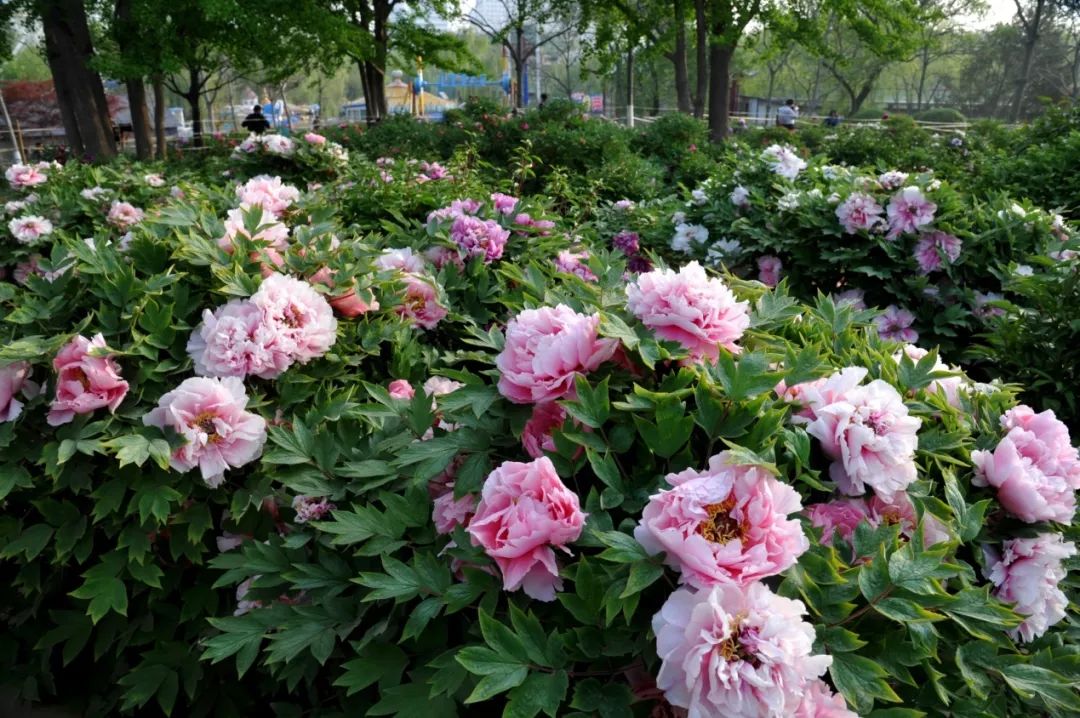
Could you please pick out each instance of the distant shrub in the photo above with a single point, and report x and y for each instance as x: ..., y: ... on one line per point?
x: 941, y: 114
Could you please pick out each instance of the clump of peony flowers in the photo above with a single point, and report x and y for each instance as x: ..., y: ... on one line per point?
x: 30, y: 229
x: 124, y: 215
x: 690, y: 308
x: 908, y: 211
x: 1027, y: 572
x: 87, y: 379
x: 893, y: 179
x: 728, y: 523
x: 546, y: 349
x: 457, y: 208
x: 525, y: 513
x: 859, y: 212
x: 932, y: 247
x: 477, y: 237
x: 783, y: 160
x: 867, y: 433
x: 1035, y: 468
x: 270, y: 193
x: 840, y: 517
x: 687, y: 235
x: 420, y: 302
x: 736, y: 650
x: 284, y: 322
x: 210, y: 416
x: 504, y: 203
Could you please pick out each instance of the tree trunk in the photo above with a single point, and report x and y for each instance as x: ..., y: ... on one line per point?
x: 719, y: 87
x: 702, y: 36
x: 159, y: 116
x: 193, y: 97
x: 678, y: 59
x: 1031, y: 39
x: 630, y: 87
x: 924, y: 67
x: 769, y: 96
x: 654, y: 111
x: 381, y: 35
x: 83, y: 107
x: 140, y: 119
x: 519, y: 67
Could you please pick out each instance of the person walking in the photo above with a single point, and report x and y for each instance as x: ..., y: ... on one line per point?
x: 256, y: 122
x: 787, y: 114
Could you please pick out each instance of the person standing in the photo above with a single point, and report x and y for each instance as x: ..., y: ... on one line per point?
x: 787, y: 114
x: 256, y: 122
x: 833, y: 120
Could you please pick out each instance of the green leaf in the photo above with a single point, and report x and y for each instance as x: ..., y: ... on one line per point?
x: 642, y: 575
x: 541, y: 692
x: 592, y: 406
x: 622, y: 548
x: 748, y: 377
x: 379, y: 662
x: 860, y: 680
x: 413, y: 700
x: 12, y: 476
x: 30, y: 542
x: 905, y: 611
x: 106, y: 593
x: 501, y: 639
x: 612, y: 325
x: 1052, y: 688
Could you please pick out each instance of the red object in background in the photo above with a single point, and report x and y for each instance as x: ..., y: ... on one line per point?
x: 32, y: 104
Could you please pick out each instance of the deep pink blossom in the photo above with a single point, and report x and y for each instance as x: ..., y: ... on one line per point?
x: 536, y: 436
x: 235, y: 340
x: 895, y: 324
x: 477, y: 237
x: 311, y: 508
x: 13, y: 381
x: 401, y: 389
x: 859, y: 212
x: 420, y: 304
x: 87, y: 379
x: 932, y: 247
x: 1028, y: 573
x: 908, y: 211
x: 525, y: 512
x: 574, y: 263
x: 769, y: 268
x: 546, y: 349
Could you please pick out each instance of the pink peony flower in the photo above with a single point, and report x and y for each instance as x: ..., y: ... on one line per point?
x: 235, y: 340
x: 279, y: 145
x: 536, y: 437
x: 13, y: 380
x: 983, y: 309
x: 688, y: 307
x: 30, y: 229
x: 574, y: 263
x: 479, y: 237
x: 1035, y: 468
x: 839, y: 516
x: 314, y: 139
x: 740, y: 196
x: 311, y: 508
x: 870, y: 438
x: 402, y: 260
x: 421, y: 303
x: 449, y: 513
x: 895, y: 324
x: 859, y: 212
x: 543, y: 227
x: 812, y: 395
x: 546, y: 349
x: 301, y: 318
x: 441, y: 256
x: 457, y: 208
x: 820, y: 702
x: 124, y: 215
x: 525, y: 512
x: 267, y: 192
x: 769, y: 269
x: 154, y: 180
x: 350, y: 304
x: 23, y: 176
x: 268, y: 229
x: 93, y: 193
x: 1027, y: 573
x: 31, y: 267
x: 504, y: 203
x: 87, y: 379
x: 909, y: 210
x: 401, y: 389
x: 209, y: 414
x: 440, y: 386
x: 854, y: 298
x: 932, y: 246
x: 623, y: 205
x: 728, y: 523
x: 898, y: 509
x: 735, y: 651
x: 891, y: 180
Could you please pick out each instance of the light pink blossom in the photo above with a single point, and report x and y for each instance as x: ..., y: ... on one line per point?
x: 30, y: 229
x: 1027, y: 573
x: 268, y: 229
x: 457, y: 208
x: 449, y: 513
x: 932, y: 246
x: 783, y: 161
x: 525, y: 512
x: 87, y: 379
x: 859, y: 212
x: 267, y: 192
x: 420, y: 304
x: 546, y: 349
x: 574, y: 263
x: 402, y: 260
x: 235, y: 340
x: 400, y: 389
x: 124, y: 215
x: 820, y: 702
x: 504, y: 203
x: 854, y: 298
x: 477, y: 237
x: 154, y: 180
x: 870, y: 438
x: 313, y: 138
x: 769, y: 268
x: 1035, y: 468
x: 735, y: 651
x: 691, y: 308
x: 13, y: 380
x: 311, y: 508
x: 895, y: 324
x: 23, y: 176
x: 891, y: 180
x: 301, y: 318
x: 728, y: 523
x: 908, y: 211
x: 209, y: 415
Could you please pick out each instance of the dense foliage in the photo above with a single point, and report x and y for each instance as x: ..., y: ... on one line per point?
x: 363, y: 432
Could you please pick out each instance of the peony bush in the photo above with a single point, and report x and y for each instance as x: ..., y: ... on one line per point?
x: 266, y: 444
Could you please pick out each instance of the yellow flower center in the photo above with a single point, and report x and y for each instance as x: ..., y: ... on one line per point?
x: 720, y: 527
